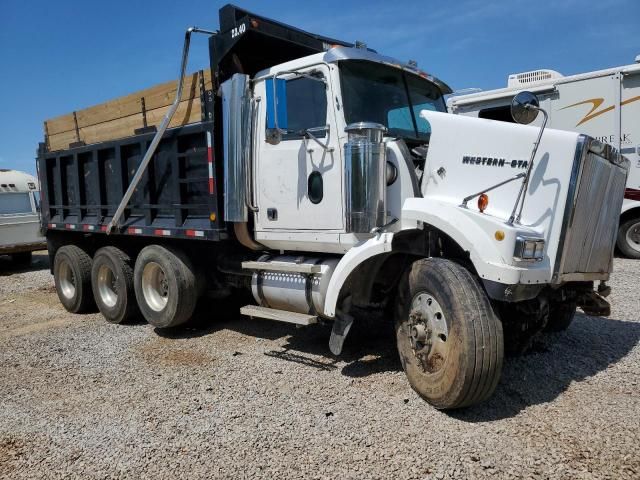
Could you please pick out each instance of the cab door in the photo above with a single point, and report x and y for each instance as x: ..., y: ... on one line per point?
x: 298, y: 180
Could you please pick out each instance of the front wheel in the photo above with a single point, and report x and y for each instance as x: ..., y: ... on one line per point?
x: 628, y: 240
x: 449, y: 339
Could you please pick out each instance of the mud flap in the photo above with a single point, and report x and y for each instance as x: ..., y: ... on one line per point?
x: 341, y: 326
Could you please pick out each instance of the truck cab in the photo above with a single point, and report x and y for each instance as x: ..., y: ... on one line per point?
x: 300, y: 180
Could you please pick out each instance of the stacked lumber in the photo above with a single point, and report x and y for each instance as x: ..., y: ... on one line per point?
x: 122, y: 116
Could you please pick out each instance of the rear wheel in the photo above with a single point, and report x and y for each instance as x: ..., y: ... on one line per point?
x: 72, y: 276
x: 166, y: 286
x: 112, y: 284
x: 449, y: 339
x: 628, y: 240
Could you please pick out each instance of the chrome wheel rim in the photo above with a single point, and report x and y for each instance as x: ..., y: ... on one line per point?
x: 633, y: 236
x: 428, y: 333
x: 155, y: 286
x: 66, y: 280
x: 107, y: 286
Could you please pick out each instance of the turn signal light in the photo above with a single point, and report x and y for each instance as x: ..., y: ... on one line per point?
x: 483, y: 202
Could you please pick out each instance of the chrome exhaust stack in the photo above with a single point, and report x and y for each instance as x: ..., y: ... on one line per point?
x: 365, y: 177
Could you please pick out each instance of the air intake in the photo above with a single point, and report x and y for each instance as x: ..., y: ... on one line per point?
x: 527, y: 79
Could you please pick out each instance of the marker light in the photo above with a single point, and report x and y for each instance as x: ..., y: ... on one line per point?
x: 499, y: 235
x: 483, y: 202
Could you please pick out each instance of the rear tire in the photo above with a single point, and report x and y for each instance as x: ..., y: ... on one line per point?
x: 166, y: 286
x: 112, y: 284
x: 628, y: 240
x: 560, y: 316
x: 72, y: 276
x: 449, y: 339
x: 22, y: 259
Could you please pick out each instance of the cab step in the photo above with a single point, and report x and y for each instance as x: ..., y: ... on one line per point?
x: 278, y: 315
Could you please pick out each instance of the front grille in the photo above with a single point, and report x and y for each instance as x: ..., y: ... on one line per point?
x: 592, y: 213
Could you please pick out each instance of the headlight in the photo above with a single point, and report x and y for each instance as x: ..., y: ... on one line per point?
x: 528, y: 248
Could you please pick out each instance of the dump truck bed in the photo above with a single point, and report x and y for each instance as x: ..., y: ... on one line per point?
x: 177, y: 197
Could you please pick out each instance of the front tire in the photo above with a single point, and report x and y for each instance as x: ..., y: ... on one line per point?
x: 449, y: 339
x: 72, y: 276
x: 628, y: 240
x: 112, y: 284
x: 166, y: 286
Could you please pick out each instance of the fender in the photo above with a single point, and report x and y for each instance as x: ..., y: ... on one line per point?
x: 353, y: 258
x: 476, y: 233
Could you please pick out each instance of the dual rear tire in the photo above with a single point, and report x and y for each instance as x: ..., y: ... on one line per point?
x: 112, y: 284
x: 165, y: 285
x: 162, y: 285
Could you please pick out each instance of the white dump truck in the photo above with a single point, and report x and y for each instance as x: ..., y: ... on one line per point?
x: 326, y: 178
x: 19, y: 216
x: 604, y: 104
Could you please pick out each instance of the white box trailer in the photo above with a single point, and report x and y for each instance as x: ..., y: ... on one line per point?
x: 19, y: 216
x: 604, y: 104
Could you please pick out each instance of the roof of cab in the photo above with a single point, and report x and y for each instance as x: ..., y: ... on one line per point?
x: 339, y: 53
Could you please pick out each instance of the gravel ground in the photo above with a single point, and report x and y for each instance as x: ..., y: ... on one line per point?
x: 233, y: 398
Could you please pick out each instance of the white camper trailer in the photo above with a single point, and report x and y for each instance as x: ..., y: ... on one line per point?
x: 19, y: 216
x: 604, y: 104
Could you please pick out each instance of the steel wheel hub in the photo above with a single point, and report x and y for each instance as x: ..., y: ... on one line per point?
x: 107, y: 286
x: 67, y: 280
x: 633, y: 237
x: 428, y: 333
x: 155, y: 286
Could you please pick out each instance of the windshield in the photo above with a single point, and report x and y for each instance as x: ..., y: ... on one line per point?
x: 373, y: 92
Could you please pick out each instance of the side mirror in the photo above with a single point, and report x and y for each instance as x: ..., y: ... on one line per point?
x: 525, y: 107
x: 276, y: 89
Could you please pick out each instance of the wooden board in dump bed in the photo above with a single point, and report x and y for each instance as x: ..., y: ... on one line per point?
x: 122, y: 116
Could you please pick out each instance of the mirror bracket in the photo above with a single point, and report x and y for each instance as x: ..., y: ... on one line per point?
x: 308, y: 132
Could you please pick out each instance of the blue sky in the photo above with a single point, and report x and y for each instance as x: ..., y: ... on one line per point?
x: 59, y: 56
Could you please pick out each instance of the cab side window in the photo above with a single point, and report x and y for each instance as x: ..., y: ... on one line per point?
x: 306, y: 106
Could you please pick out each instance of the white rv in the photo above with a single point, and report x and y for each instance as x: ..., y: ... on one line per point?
x: 19, y: 216
x: 604, y: 104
